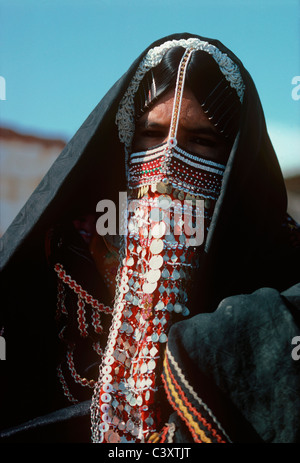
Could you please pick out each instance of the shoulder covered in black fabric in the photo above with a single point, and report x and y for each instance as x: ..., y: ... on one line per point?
x: 236, y: 369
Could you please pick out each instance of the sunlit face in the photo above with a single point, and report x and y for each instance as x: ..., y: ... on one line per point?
x: 196, y: 134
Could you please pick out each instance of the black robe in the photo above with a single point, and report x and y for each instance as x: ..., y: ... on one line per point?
x: 237, y: 360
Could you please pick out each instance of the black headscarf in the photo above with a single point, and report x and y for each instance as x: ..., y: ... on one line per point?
x: 247, y: 247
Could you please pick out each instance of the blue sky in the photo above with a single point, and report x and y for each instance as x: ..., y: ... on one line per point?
x: 59, y: 57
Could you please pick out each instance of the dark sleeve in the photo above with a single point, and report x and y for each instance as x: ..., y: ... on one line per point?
x: 234, y: 375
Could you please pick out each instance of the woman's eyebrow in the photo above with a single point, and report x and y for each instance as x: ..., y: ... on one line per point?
x: 196, y: 130
x: 203, y: 131
x: 150, y: 125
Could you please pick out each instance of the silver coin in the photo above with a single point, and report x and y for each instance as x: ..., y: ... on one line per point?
x: 145, y: 350
x: 129, y: 425
x: 124, y: 289
x: 131, y: 282
x: 130, y: 261
x: 105, y: 397
x: 170, y: 238
x: 122, y: 425
x: 185, y: 312
x: 115, y: 420
x: 182, y: 238
x: 135, y: 431
x: 165, y: 273
x: 132, y: 401
x: 122, y: 357
x: 148, y: 420
x: 153, y: 276
x: 124, y: 279
x: 158, y: 230
x: 156, y: 321
x: 139, y: 400
x: 135, y: 300
x: 129, y: 329
x: 128, y: 297
x: 143, y: 368
x: 110, y: 352
x: 117, y: 324
x: 156, y: 246
x: 106, y: 418
x: 151, y: 364
x: 164, y: 201
x: 163, y: 338
x: 137, y: 335
x: 153, y: 351
x: 109, y: 360
x: 120, y: 307
x: 123, y: 327
x: 156, y: 215
x: 107, y: 387
x: 161, y: 187
x: 175, y: 275
x: 131, y: 247
x: 130, y: 382
x: 170, y: 307
x: 104, y: 408
x: 148, y: 288
x: 177, y: 307
x: 163, y: 321
x: 104, y: 427
x: 154, y: 337
x: 106, y: 369
x: 149, y: 382
x: 156, y: 262
x: 160, y: 305
x: 114, y: 438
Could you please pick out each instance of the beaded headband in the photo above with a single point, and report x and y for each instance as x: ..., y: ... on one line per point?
x: 125, y: 114
x: 172, y: 141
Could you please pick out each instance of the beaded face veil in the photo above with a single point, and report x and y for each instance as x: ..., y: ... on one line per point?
x: 172, y: 195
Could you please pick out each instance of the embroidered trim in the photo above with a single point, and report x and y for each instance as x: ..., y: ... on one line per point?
x: 97, y: 307
x: 188, y: 158
x: 64, y: 385
x: 178, y: 96
x: 172, y: 429
x: 178, y: 169
x: 178, y: 405
x: 80, y: 291
x: 166, y: 435
x: 77, y: 378
x: 169, y: 357
x: 82, y: 324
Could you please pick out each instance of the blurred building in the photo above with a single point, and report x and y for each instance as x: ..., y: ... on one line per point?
x: 25, y: 158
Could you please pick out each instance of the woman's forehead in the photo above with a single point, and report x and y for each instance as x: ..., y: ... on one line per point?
x: 191, y: 113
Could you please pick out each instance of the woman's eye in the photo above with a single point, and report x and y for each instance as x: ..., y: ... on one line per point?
x: 203, y: 141
x: 152, y: 134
